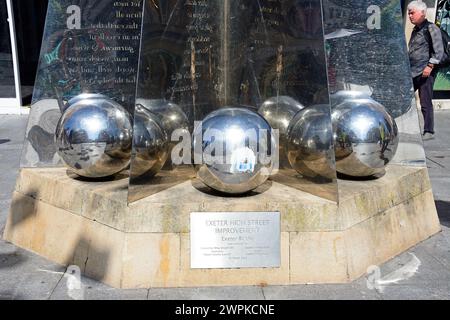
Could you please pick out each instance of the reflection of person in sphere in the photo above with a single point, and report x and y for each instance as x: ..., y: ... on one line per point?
x: 384, y: 139
x: 305, y: 19
x: 343, y: 139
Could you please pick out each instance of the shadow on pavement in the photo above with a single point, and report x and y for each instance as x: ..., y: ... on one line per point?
x: 10, y: 296
x: 443, y: 209
x: 10, y: 260
x: 2, y: 141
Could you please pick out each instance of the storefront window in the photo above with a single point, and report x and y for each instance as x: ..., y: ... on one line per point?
x: 7, y: 89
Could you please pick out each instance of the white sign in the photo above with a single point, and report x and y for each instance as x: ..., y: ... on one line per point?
x: 235, y: 240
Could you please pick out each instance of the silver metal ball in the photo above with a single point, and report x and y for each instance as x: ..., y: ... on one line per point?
x: 150, y: 144
x: 236, y: 145
x: 343, y: 95
x: 94, y: 138
x: 310, y: 143
x: 366, y: 137
x: 170, y: 116
x: 81, y: 97
x: 279, y: 112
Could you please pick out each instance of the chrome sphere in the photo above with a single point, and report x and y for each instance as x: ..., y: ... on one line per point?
x: 366, y: 137
x: 279, y: 112
x: 170, y: 116
x: 310, y: 143
x: 94, y: 138
x: 343, y: 95
x: 81, y: 97
x: 236, y: 147
x: 150, y: 144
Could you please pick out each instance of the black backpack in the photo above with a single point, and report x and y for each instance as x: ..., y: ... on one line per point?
x: 445, y: 62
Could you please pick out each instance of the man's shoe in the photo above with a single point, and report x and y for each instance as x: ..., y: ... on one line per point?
x: 427, y: 136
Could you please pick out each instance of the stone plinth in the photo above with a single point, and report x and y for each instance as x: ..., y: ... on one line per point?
x: 147, y: 244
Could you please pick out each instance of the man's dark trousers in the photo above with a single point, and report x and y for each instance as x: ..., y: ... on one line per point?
x: 425, y: 87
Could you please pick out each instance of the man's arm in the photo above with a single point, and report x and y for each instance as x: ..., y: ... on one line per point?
x: 438, y: 47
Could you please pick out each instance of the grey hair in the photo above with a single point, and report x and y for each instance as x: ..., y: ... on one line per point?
x: 419, y: 5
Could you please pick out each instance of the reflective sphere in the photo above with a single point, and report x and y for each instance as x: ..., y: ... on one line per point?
x: 309, y: 145
x: 343, y: 95
x: 170, y: 116
x: 366, y: 137
x: 94, y: 138
x: 83, y: 96
x: 236, y: 145
x: 150, y: 144
x: 279, y: 112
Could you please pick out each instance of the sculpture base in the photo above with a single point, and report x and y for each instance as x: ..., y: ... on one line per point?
x: 146, y: 244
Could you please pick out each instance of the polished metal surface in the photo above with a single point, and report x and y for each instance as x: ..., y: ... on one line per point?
x: 238, y: 167
x: 80, y: 97
x: 279, y: 112
x: 150, y: 144
x: 366, y: 60
x: 309, y: 143
x: 343, y: 95
x: 94, y: 138
x: 235, y: 240
x: 366, y: 137
x: 170, y: 116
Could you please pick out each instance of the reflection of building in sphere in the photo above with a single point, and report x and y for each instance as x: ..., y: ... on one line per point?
x: 170, y: 116
x: 94, y: 138
x: 310, y: 143
x: 236, y: 147
x: 83, y: 96
x: 150, y: 144
x: 366, y: 137
x: 279, y: 112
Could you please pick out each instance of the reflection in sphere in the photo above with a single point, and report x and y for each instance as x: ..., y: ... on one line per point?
x: 83, y: 96
x: 279, y: 112
x: 366, y: 137
x: 94, y: 138
x: 170, y: 116
x: 343, y: 95
x: 309, y: 146
x: 236, y: 145
x: 150, y: 144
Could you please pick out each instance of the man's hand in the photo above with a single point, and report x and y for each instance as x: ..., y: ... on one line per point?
x: 426, y: 72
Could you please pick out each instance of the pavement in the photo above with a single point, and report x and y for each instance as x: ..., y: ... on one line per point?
x: 24, y: 275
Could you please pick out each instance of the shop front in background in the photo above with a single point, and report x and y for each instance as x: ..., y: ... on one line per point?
x: 21, y: 27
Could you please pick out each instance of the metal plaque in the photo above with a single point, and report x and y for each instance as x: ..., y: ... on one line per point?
x: 226, y: 240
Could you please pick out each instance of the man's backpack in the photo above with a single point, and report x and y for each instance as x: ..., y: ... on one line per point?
x: 445, y: 61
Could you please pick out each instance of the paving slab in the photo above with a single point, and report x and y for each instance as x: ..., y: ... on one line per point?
x: 24, y: 275
x: 73, y: 287
x: 216, y: 293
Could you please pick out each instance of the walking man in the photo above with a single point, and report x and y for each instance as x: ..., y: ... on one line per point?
x: 426, y: 50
